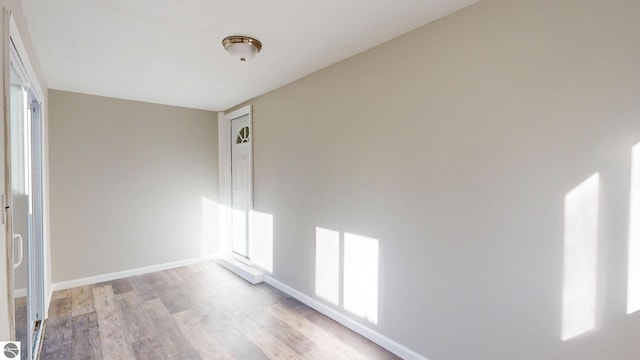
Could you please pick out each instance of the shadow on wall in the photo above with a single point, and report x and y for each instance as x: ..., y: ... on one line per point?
x: 359, y: 281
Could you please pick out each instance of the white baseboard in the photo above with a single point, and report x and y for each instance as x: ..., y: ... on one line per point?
x: 18, y: 293
x: 47, y: 303
x: 127, y: 273
x: 254, y: 276
x: 251, y: 274
x: 385, y: 342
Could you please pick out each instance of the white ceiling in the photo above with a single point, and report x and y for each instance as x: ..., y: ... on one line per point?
x: 170, y: 52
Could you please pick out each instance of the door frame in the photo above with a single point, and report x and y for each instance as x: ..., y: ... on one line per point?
x: 12, y: 39
x: 225, y: 181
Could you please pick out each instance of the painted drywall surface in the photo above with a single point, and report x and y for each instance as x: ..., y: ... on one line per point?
x: 455, y: 146
x: 132, y: 184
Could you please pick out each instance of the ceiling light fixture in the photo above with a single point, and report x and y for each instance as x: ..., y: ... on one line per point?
x: 242, y: 47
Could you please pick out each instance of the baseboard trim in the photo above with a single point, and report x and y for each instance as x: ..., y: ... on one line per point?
x: 385, y: 342
x: 251, y: 274
x: 18, y: 293
x: 47, y: 303
x: 127, y: 273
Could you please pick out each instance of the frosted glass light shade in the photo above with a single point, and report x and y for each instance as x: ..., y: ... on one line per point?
x: 242, y: 47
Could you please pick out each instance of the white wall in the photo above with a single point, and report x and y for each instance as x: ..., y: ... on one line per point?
x: 133, y: 184
x: 454, y: 146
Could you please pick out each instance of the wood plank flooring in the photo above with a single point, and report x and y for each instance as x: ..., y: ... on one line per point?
x: 196, y: 312
x: 21, y: 322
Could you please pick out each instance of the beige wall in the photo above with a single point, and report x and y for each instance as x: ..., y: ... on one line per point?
x: 129, y: 184
x: 454, y: 146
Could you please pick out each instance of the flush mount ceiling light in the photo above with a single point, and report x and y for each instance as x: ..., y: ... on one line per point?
x: 242, y: 47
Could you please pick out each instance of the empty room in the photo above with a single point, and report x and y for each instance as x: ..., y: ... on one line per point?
x: 386, y: 179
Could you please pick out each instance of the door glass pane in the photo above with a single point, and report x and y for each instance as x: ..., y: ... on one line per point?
x: 25, y: 147
x: 20, y: 185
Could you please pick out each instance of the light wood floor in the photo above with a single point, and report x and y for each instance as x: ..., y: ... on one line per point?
x: 196, y: 312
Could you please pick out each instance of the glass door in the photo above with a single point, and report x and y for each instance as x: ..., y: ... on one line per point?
x: 25, y: 168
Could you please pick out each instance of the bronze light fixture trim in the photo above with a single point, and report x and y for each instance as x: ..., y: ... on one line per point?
x: 243, y: 47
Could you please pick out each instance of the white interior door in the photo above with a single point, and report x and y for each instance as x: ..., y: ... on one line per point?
x: 241, y: 184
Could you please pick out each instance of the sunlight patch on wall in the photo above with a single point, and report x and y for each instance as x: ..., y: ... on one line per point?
x: 580, y: 257
x: 361, y: 276
x: 224, y: 231
x: 328, y: 265
x: 209, y: 231
x: 633, y: 276
x: 239, y: 231
x: 262, y: 241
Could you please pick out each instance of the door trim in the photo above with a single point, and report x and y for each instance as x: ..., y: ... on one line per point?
x: 6, y: 59
x: 14, y: 47
x: 224, y: 176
